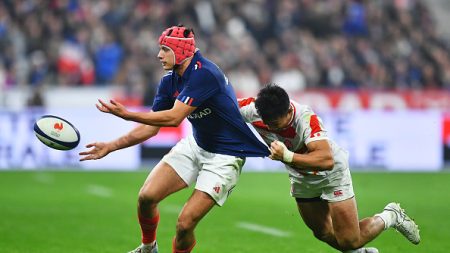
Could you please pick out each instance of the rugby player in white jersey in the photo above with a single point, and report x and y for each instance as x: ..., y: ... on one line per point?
x: 319, y: 173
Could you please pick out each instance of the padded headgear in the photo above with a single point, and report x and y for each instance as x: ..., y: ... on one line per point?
x: 180, y: 40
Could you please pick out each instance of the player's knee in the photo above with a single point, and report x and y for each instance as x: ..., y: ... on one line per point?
x: 349, y: 243
x: 147, y: 198
x: 185, y: 225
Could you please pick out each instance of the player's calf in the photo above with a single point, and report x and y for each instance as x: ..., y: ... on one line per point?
x: 186, y: 250
x: 324, y: 236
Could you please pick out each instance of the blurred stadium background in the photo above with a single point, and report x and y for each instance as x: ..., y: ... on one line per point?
x: 377, y: 72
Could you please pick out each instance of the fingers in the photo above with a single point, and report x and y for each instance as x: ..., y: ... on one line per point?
x: 102, y: 108
x: 274, y: 144
x: 89, y: 157
x: 90, y: 145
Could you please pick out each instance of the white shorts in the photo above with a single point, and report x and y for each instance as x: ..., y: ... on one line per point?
x: 336, y: 185
x: 214, y: 174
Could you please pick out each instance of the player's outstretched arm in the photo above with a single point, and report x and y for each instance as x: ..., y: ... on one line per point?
x: 319, y: 156
x: 172, y: 117
x: 101, y: 149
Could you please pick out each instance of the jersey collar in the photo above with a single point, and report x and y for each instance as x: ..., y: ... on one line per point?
x: 190, y: 68
x: 293, y: 115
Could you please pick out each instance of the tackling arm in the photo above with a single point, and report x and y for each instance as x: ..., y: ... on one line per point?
x: 319, y: 156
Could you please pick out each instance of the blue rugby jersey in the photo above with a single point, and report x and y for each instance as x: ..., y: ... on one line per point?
x: 217, y: 124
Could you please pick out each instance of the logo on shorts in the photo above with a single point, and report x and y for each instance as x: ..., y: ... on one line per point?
x: 338, y: 193
x: 216, y: 189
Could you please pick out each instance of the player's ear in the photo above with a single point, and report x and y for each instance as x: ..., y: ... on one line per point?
x: 291, y: 110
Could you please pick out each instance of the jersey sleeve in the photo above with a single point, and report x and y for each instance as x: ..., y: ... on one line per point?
x: 201, y: 86
x: 313, y: 129
x: 163, y: 99
x: 247, y: 108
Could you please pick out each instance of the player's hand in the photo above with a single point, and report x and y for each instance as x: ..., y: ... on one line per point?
x: 279, y: 152
x: 99, y: 150
x: 113, y: 107
x: 276, y: 150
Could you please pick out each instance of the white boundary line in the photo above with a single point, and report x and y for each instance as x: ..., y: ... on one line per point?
x: 263, y: 229
x: 99, y: 191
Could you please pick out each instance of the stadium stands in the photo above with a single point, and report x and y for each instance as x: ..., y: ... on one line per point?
x: 306, y: 44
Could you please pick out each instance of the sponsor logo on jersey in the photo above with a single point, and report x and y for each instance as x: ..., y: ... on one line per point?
x: 216, y: 189
x: 200, y: 114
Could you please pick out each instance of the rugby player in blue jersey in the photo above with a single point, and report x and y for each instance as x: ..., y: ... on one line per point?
x: 211, y: 158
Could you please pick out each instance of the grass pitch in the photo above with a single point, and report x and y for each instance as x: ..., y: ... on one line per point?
x: 81, y: 212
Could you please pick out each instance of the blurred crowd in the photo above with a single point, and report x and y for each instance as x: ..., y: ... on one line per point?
x: 376, y: 44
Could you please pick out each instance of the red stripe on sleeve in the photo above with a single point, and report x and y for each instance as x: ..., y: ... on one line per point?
x: 190, y: 101
x: 245, y: 101
x: 315, y: 125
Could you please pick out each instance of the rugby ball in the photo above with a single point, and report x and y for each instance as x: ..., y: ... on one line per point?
x: 56, y: 132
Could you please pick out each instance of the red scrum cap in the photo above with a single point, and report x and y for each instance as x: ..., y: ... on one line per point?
x: 180, y: 40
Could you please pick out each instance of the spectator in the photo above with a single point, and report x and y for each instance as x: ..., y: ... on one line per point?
x: 332, y: 43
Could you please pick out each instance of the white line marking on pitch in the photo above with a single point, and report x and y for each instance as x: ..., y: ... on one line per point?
x: 99, y: 191
x: 44, y: 178
x: 263, y: 229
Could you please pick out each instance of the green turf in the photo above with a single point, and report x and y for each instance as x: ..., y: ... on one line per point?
x: 58, y: 212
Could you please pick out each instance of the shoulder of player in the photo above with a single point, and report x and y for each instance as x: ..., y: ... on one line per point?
x: 248, y: 102
x: 205, y: 68
x: 302, y: 114
x: 167, y: 77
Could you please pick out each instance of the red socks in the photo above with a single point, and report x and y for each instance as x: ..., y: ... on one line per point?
x: 148, y: 228
x: 188, y: 250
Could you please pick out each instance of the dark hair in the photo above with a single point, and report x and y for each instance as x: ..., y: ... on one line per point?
x: 272, y: 102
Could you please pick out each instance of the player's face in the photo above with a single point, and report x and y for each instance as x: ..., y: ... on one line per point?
x: 281, y: 123
x: 166, y: 57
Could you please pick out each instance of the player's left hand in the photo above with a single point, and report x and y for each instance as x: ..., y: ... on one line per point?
x: 276, y: 150
x: 279, y: 152
x: 113, y: 107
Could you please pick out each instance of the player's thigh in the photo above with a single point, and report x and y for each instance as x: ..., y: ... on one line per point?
x: 316, y: 215
x: 219, y: 175
x: 345, y: 219
x: 162, y: 181
x: 198, y: 205
x: 177, y: 170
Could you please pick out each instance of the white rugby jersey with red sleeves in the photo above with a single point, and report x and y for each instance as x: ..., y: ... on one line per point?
x: 304, y: 128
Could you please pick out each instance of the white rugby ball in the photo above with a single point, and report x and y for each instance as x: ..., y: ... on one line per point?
x: 56, y: 132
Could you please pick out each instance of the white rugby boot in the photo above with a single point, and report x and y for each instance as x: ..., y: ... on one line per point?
x: 404, y: 224
x: 146, y: 248
x: 363, y: 250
